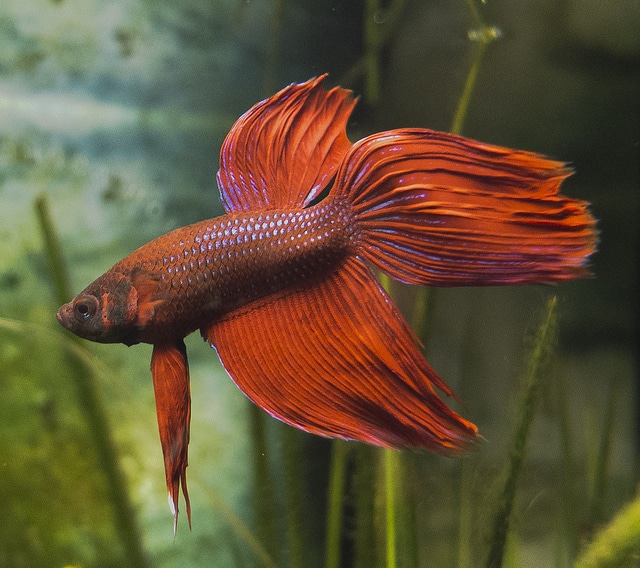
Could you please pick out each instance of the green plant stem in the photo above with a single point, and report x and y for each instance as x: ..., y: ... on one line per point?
x: 390, y: 472
x: 475, y: 14
x: 365, y: 497
x: 59, y: 273
x: 90, y: 404
x: 379, y: 25
x: 337, y: 478
x: 460, y: 114
x: 465, y: 518
x: 407, y: 517
x: 423, y: 310
x: 372, y: 46
x: 293, y: 497
x: 264, y: 485
x: 273, y: 47
x: 482, y: 37
x: 603, y: 460
x: 536, y: 370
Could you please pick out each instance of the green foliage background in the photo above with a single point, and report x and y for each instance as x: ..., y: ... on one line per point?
x: 111, y: 117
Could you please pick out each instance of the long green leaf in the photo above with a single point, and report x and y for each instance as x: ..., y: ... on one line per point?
x: 536, y: 371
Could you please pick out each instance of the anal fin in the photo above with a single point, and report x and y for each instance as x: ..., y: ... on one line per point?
x: 336, y: 358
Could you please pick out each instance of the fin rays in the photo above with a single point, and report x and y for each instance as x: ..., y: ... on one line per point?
x: 170, y: 371
x: 337, y: 359
x: 443, y: 210
x: 284, y: 151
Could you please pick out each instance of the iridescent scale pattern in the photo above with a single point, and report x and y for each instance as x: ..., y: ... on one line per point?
x: 217, y: 265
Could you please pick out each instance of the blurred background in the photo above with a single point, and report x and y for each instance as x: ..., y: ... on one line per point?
x: 112, y: 114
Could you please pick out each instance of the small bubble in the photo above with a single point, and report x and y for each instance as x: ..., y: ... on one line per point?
x: 379, y: 17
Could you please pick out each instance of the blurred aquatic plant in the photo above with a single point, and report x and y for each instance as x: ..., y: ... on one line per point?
x: 90, y: 402
x: 480, y: 36
x: 380, y: 22
x: 537, y: 369
x: 379, y: 25
x: 55, y: 502
x: 57, y: 487
x: 380, y: 505
x: 63, y: 509
x: 618, y: 544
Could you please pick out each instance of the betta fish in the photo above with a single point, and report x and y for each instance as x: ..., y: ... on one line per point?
x: 283, y: 285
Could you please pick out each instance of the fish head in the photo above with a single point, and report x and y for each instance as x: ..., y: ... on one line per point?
x: 106, y: 311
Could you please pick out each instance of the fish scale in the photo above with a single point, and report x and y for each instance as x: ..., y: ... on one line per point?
x: 219, y: 264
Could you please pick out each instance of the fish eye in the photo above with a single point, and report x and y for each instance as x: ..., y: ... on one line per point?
x: 85, y: 307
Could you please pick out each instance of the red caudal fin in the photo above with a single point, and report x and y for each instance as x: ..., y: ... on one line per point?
x: 170, y: 372
x: 337, y: 359
x: 443, y: 210
x: 286, y: 149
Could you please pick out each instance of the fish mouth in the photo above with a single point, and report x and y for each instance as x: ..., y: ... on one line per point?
x: 63, y: 316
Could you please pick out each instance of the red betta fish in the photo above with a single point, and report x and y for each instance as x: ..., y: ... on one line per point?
x: 282, y: 284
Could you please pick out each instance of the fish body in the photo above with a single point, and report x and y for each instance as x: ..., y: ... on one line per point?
x: 282, y: 284
x: 187, y: 278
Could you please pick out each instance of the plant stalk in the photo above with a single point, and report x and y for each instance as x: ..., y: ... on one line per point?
x: 90, y: 403
x: 536, y: 371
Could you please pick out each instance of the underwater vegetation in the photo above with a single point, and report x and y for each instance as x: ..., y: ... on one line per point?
x: 416, y: 204
x: 145, y: 95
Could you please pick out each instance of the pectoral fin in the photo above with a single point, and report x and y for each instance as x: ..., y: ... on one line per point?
x: 145, y: 285
x: 170, y: 371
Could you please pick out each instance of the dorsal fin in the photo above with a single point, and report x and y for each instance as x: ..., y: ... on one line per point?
x: 285, y: 150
